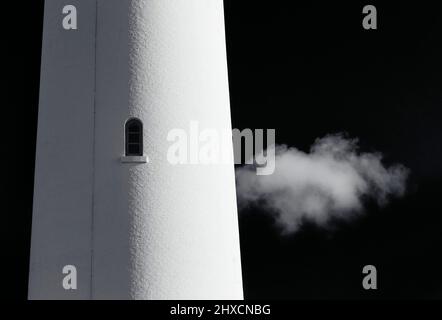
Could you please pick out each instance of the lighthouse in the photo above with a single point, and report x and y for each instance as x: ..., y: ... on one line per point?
x: 112, y: 217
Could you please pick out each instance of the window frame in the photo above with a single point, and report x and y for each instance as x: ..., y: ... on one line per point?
x: 128, y: 133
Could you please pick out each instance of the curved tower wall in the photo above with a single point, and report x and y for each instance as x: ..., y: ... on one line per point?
x: 162, y: 231
x: 156, y: 230
x: 63, y: 181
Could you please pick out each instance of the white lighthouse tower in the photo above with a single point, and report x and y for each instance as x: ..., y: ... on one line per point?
x: 112, y: 217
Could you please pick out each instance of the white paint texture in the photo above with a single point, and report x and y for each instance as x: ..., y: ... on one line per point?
x: 134, y: 230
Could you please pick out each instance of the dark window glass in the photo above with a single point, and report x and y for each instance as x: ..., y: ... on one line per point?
x: 134, y: 137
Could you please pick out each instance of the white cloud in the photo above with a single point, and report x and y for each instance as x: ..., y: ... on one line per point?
x: 330, y: 181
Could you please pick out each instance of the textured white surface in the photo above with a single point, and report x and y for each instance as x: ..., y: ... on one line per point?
x: 158, y: 231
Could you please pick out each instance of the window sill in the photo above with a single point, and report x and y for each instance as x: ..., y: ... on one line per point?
x: 134, y: 159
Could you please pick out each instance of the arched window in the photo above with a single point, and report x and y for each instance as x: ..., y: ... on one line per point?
x: 134, y: 137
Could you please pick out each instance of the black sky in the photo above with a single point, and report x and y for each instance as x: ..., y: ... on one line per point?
x: 311, y: 69
x: 305, y: 70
